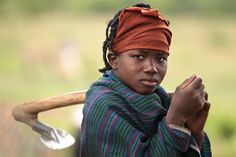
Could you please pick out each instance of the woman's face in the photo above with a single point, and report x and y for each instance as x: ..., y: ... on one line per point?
x: 141, y: 70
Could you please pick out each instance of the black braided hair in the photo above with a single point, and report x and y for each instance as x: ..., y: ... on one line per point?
x: 111, y: 33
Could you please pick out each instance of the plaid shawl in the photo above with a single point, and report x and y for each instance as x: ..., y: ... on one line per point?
x: 120, y: 122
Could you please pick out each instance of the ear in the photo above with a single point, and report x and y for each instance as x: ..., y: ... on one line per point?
x: 112, y: 59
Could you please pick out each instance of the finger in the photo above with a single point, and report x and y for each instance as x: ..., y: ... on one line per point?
x: 202, y: 87
x: 188, y: 81
x: 203, y: 114
x: 201, y: 91
x: 206, y: 107
x: 197, y: 82
x: 206, y: 96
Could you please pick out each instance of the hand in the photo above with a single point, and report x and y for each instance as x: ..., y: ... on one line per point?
x: 188, y: 99
x: 196, y: 123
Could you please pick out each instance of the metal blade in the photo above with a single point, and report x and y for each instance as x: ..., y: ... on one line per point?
x: 53, y: 138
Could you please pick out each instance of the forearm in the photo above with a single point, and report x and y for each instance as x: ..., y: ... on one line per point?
x: 198, y: 137
x: 174, y: 119
x: 203, y: 151
x: 170, y: 140
x: 206, y: 146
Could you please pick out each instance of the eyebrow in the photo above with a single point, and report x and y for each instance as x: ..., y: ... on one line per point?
x: 160, y: 53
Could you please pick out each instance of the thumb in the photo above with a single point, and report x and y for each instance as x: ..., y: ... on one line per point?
x: 203, y: 114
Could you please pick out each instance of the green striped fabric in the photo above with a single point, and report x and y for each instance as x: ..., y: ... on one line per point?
x: 119, y: 122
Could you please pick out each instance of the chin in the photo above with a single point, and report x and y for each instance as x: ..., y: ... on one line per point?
x: 145, y: 92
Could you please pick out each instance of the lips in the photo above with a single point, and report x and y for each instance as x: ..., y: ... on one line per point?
x: 150, y: 82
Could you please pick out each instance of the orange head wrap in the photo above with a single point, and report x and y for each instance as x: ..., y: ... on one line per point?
x: 142, y: 28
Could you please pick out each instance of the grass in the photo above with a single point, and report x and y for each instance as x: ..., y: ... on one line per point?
x: 31, y: 65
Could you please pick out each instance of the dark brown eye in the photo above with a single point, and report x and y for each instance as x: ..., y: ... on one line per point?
x: 139, y: 57
x: 161, y: 59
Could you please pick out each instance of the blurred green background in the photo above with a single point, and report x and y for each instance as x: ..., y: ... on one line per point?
x: 54, y: 47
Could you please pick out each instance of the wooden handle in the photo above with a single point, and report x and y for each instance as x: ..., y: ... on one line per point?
x: 28, y: 112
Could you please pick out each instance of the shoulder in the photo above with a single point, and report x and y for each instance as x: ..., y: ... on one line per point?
x: 100, y: 104
x: 102, y: 97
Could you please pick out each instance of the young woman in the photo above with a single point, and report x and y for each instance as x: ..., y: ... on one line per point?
x: 127, y: 113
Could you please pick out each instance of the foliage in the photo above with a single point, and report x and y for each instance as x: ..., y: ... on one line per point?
x: 216, y: 7
x: 226, y: 128
x: 30, y: 68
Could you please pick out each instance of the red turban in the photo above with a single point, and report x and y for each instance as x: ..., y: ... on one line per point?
x: 142, y: 28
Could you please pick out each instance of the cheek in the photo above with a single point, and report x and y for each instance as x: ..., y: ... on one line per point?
x: 127, y: 72
x: 126, y: 66
x: 122, y: 70
x: 164, y: 70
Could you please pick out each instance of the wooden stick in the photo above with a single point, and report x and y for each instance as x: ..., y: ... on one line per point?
x: 28, y: 112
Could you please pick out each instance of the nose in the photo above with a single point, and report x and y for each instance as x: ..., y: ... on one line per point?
x: 151, y: 66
